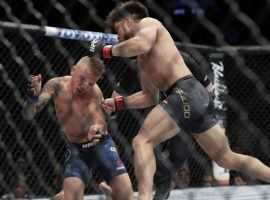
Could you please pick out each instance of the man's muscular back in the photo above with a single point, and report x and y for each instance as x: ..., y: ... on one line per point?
x: 77, y: 114
x: 162, y: 62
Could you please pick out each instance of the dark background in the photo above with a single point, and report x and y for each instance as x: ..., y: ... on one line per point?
x: 241, y: 22
x: 209, y: 22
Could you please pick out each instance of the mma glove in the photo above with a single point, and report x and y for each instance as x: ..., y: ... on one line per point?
x: 119, y: 103
x: 112, y: 105
x: 32, y: 98
x: 96, y: 135
x: 100, y: 50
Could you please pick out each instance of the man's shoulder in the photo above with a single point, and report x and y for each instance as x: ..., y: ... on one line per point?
x: 59, y: 79
x: 57, y: 82
x: 97, y: 91
x: 150, y: 20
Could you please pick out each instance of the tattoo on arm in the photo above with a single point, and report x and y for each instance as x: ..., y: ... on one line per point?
x: 49, y: 91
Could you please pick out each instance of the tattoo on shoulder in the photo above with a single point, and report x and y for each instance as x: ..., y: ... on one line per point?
x: 51, y: 87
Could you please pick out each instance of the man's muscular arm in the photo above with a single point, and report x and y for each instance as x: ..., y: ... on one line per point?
x: 47, y: 93
x: 148, y: 96
x: 141, y: 43
x: 98, y: 129
x: 100, y: 122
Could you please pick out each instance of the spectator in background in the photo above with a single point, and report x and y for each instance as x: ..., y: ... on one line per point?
x: 57, y: 178
x: 18, y: 191
x: 209, y: 181
x: 24, y: 173
x: 182, y: 179
x: 240, y: 180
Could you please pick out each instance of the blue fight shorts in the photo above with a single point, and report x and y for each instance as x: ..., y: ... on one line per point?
x: 80, y: 159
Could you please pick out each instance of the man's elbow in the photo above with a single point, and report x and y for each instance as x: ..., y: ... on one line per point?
x: 153, y: 100
x: 27, y: 116
x: 144, y: 47
x: 156, y: 99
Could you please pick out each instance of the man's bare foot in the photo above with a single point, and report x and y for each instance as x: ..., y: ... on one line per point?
x: 59, y: 196
x: 106, y: 189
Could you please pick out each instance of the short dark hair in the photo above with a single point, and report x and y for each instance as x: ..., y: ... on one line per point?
x: 134, y: 9
x: 96, y: 65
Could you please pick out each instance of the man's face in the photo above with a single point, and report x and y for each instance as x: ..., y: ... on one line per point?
x: 22, y: 164
x: 124, y: 29
x: 83, y: 79
x: 239, y: 181
x: 19, y: 191
x: 184, y: 176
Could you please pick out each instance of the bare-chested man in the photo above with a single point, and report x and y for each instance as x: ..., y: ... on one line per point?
x: 77, y: 100
x: 188, y: 105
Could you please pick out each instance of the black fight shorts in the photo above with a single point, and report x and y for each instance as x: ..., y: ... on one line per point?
x: 190, y: 105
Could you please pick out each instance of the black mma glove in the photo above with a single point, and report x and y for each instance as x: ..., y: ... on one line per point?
x: 96, y: 135
x: 32, y: 98
x: 99, y: 50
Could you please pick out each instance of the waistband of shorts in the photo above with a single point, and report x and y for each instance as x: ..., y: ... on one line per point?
x: 84, y: 144
x: 170, y: 90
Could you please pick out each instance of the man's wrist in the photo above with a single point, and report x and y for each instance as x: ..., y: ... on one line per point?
x: 113, y: 115
x: 120, y: 103
x: 32, y: 100
x: 107, y: 51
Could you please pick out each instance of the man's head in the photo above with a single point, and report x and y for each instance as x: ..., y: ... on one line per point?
x: 85, y: 74
x: 240, y: 180
x: 125, y: 17
x: 183, y: 175
x: 22, y: 163
x: 19, y: 189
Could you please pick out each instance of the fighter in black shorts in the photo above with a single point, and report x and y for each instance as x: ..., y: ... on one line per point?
x: 161, y: 65
x: 177, y: 147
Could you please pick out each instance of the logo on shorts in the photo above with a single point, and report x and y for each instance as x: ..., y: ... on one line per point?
x: 68, y: 168
x: 120, y: 165
x: 184, y: 99
x: 87, y: 145
x: 113, y: 149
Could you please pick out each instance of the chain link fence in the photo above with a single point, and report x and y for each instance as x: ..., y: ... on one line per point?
x: 33, y: 151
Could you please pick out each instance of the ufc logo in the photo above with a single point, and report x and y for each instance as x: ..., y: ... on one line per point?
x: 93, y: 45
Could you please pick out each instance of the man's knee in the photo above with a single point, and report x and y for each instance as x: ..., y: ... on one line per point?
x: 121, y: 187
x: 73, y: 188
x: 141, y: 141
x: 226, y: 159
x: 125, y: 194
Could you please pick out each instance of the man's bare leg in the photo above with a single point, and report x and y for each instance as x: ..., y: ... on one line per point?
x: 121, y: 187
x: 59, y: 196
x: 73, y: 188
x: 106, y: 189
x: 215, y: 144
x: 157, y: 127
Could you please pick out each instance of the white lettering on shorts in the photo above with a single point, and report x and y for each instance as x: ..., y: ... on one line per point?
x: 87, y: 145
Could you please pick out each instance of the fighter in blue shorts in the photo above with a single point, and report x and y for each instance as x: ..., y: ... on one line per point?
x: 77, y: 99
x: 81, y: 158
